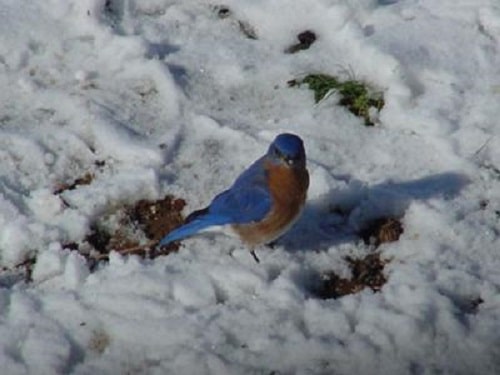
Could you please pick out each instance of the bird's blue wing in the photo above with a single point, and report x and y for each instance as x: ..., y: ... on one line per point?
x: 240, y: 205
x: 247, y: 200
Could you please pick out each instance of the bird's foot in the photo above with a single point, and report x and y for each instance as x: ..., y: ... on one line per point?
x: 255, y: 257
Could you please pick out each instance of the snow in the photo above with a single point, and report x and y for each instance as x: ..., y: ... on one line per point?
x: 169, y: 98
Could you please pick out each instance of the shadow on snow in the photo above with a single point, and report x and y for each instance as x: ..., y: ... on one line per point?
x: 338, y: 216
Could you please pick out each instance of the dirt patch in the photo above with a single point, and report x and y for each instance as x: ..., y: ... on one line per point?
x: 305, y: 38
x: 127, y: 229
x: 146, y: 220
x: 99, y: 341
x: 367, y: 272
x: 86, y: 179
x: 157, y: 218
x: 382, y: 230
x: 474, y: 304
x: 224, y: 12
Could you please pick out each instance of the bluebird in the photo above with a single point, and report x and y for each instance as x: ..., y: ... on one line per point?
x: 263, y: 202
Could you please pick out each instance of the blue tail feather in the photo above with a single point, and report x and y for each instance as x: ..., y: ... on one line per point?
x: 193, y: 225
x: 183, y: 231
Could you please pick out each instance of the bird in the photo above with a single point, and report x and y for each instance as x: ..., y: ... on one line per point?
x: 262, y: 204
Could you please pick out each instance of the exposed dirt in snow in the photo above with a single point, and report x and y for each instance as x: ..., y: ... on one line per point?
x: 367, y: 272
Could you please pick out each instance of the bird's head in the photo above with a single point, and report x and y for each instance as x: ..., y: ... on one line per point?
x: 288, y: 149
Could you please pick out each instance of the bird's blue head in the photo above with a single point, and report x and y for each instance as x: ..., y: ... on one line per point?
x: 288, y: 149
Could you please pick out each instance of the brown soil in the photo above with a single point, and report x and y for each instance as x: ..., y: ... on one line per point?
x: 153, y: 219
x: 366, y: 272
x: 305, y: 38
x: 381, y: 231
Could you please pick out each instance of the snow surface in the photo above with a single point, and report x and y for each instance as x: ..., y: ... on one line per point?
x: 177, y: 100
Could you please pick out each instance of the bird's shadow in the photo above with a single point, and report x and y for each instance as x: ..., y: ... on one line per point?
x: 338, y: 216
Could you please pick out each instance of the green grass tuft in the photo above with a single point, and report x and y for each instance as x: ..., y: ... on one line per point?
x: 355, y: 95
x: 321, y: 84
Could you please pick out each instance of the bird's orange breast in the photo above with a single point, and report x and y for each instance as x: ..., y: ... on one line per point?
x: 288, y: 188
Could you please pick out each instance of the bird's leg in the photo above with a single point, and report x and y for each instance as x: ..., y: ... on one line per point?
x: 255, y: 257
x: 252, y: 251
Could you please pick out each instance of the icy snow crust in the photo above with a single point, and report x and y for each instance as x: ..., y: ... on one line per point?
x: 177, y: 100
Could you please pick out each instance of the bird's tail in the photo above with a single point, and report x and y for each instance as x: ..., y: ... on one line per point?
x: 195, y: 223
x: 184, y: 231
